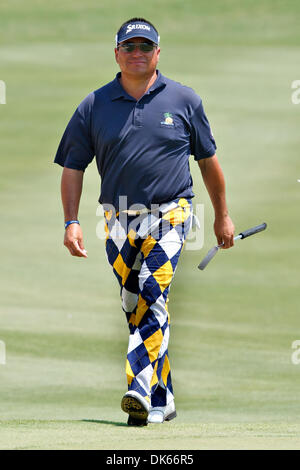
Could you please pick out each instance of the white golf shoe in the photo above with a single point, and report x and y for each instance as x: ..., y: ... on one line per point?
x: 159, y: 414
x: 137, y: 407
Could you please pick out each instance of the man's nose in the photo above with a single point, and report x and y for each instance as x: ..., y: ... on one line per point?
x: 137, y: 52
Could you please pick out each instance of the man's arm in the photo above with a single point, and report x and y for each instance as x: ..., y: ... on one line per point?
x: 213, y: 178
x: 71, y: 188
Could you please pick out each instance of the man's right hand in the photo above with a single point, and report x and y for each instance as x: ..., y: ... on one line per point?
x: 74, y: 241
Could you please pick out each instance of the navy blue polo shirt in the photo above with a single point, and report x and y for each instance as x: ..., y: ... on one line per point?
x: 142, y: 147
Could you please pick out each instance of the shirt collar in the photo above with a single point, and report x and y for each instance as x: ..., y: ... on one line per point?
x: 117, y: 91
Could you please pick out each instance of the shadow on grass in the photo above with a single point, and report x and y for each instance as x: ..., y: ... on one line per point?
x: 103, y: 421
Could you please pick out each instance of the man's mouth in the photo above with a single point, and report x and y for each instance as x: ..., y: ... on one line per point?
x: 137, y: 62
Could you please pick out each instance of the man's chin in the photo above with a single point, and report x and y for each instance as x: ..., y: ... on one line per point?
x: 139, y: 71
x: 138, y: 68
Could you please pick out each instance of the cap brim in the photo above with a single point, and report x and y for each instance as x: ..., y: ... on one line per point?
x: 135, y: 34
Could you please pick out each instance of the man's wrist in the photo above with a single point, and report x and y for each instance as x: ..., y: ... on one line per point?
x: 221, y: 215
x: 69, y: 222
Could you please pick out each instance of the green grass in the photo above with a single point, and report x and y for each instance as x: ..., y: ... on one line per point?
x: 233, y: 324
x: 95, y: 434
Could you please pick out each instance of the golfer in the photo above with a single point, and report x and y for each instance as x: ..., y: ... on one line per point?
x: 142, y: 128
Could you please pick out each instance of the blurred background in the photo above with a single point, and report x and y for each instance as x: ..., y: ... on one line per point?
x: 233, y: 324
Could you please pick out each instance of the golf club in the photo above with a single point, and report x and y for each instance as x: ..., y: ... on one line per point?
x: 246, y: 233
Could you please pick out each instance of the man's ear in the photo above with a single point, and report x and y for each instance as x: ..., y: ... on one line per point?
x: 116, y: 55
x: 158, y: 53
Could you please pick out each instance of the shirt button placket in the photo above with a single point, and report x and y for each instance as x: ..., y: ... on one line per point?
x: 138, y: 117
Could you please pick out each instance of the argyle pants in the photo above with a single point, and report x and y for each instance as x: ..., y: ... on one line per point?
x: 144, y: 253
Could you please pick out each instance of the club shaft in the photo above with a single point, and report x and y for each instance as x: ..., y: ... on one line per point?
x: 235, y: 238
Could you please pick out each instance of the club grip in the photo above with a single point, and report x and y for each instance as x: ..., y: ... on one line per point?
x: 253, y: 230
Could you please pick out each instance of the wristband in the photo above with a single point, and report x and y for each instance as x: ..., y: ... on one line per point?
x: 71, y: 222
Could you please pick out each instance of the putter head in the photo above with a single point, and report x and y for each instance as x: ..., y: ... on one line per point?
x: 208, y: 257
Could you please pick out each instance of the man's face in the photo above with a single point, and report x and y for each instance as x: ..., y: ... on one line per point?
x: 137, y: 63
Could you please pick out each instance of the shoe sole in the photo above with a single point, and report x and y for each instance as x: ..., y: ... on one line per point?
x: 134, y: 408
x: 170, y: 416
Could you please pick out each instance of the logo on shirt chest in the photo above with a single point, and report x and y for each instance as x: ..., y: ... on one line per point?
x: 168, y: 120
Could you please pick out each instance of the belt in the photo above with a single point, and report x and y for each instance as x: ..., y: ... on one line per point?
x: 132, y: 212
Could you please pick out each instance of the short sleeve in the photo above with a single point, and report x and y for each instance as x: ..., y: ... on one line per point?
x: 76, y: 150
x: 203, y: 144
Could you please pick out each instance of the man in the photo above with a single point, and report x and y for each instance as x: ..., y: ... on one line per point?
x: 142, y: 127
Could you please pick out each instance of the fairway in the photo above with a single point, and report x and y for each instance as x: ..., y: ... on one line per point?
x: 232, y: 325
